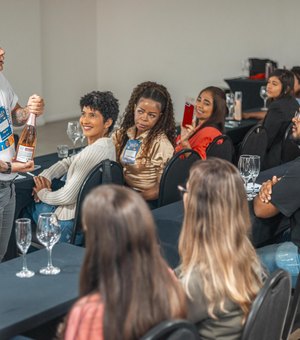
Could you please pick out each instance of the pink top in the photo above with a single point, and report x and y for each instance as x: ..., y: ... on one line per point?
x: 201, y: 140
x: 86, y: 319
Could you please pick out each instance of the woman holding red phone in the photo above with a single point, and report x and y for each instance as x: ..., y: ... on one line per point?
x: 210, y: 111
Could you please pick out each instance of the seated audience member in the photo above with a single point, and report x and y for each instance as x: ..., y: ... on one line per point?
x: 210, y: 111
x: 219, y: 269
x: 126, y: 287
x: 99, y: 113
x: 282, y: 107
x: 144, y: 142
x: 280, y: 197
x: 296, y: 72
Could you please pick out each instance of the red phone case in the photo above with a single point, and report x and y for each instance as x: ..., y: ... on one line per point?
x: 188, y: 114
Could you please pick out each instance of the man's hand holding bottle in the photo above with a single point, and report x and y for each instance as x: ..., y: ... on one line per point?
x: 35, y: 105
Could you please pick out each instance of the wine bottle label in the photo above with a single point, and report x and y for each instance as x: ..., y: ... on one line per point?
x: 25, y: 153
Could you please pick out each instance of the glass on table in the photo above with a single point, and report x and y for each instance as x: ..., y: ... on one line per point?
x: 82, y: 137
x: 230, y: 105
x: 264, y: 95
x: 48, y: 233
x: 244, y: 166
x: 62, y: 151
x: 73, y: 132
x: 255, y: 169
x: 23, y: 239
x: 246, y: 66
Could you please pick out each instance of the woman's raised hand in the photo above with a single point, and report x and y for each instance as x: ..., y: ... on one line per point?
x: 187, y: 131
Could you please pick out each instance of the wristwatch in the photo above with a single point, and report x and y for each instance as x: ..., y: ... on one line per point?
x: 8, y: 170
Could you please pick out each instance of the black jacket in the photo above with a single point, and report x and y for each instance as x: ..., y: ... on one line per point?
x: 278, y: 118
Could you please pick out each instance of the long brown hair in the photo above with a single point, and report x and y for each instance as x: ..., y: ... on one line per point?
x: 217, y: 118
x: 214, y: 239
x: 123, y: 264
x: 165, y: 124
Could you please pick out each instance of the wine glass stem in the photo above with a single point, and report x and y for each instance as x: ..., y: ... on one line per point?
x: 74, y: 147
x: 49, y: 257
x: 24, y: 267
x: 246, y: 184
x: 253, y: 185
x: 265, y: 103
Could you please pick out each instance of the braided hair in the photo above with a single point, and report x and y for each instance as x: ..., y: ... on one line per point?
x: 165, y: 123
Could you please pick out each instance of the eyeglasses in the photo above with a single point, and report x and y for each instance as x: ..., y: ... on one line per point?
x: 297, y: 115
x: 182, y: 189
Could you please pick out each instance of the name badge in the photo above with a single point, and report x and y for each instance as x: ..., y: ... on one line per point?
x: 131, y: 149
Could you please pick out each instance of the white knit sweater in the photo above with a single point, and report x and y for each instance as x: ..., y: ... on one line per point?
x: 77, y: 168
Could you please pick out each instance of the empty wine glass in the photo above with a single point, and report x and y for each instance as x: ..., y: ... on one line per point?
x: 73, y: 132
x: 23, y: 239
x: 246, y: 65
x: 255, y: 168
x: 264, y: 95
x: 48, y: 233
x: 230, y: 105
x: 82, y: 137
x: 245, y: 170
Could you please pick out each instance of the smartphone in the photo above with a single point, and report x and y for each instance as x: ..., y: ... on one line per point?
x: 188, y: 114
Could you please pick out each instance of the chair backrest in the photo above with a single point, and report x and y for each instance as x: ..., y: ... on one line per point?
x: 269, y: 309
x: 176, y: 172
x: 255, y: 142
x: 173, y: 330
x: 221, y: 147
x: 105, y: 172
x: 290, y: 319
x: 289, y: 149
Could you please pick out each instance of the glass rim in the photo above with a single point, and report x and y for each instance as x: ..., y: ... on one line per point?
x: 22, y: 220
x: 47, y: 214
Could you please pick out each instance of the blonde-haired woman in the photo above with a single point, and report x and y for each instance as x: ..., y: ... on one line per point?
x: 219, y: 267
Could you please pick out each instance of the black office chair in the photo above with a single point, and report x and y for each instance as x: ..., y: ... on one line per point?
x: 269, y: 309
x: 221, y: 147
x: 289, y: 149
x: 104, y: 173
x: 176, y: 172
x: 173, y: 330
x: 293, y: 308
x: 255, y: 142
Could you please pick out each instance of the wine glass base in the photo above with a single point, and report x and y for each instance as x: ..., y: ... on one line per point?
x: 25, y: 273
x: 264, y: 109
x: 49, y: 270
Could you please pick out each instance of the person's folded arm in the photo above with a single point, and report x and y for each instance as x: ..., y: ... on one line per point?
x: 151, y: 193
x: 263, y: 208
x: 259, y: 115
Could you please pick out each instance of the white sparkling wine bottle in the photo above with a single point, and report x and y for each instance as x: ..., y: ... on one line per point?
x: 27, y: 141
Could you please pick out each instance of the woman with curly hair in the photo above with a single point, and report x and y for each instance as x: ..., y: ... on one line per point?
x: 219, y: 269
x: 145, y: 140
x: 210, y: 111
